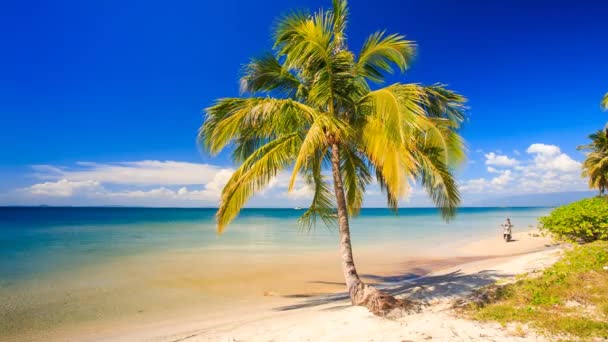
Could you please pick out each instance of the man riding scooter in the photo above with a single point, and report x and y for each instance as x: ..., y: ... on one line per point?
x: 507, y: 230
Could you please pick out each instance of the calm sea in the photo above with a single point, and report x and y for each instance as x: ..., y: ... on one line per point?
x: 41, y: 240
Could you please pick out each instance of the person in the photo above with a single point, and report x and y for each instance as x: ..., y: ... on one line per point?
x: 507, y: 230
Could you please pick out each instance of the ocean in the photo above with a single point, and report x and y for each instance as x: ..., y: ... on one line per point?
x: 37, y: 240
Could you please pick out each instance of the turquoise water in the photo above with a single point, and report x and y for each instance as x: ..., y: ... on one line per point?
x: 35, y: 241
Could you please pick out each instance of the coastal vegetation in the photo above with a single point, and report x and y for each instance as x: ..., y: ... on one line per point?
x: 585, y: 221
x: 568, y: 300
x: 317, y: 108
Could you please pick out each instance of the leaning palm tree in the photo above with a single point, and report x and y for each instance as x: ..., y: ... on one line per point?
x: 595, y: 166
x: 310, y: 107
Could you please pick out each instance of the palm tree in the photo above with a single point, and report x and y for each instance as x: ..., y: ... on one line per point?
x: 310, y: 107
x: 604, y: 103
x: 595, y: 165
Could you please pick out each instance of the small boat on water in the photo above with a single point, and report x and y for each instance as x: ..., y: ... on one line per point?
x: 298, y: 208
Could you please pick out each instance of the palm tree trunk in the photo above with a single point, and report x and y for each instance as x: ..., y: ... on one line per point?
x: 361, y: 294
x: 348, y: 264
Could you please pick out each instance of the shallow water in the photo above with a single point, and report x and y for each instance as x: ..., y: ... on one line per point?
x: 34, y: 241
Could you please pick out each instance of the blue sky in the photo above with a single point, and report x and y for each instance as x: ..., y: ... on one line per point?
x: 100, y: 101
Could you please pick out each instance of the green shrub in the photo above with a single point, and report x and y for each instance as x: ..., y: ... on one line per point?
x: 585, y: 220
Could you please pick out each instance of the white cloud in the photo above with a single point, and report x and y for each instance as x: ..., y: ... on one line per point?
x: 504, y: 178
x: 499, y: 160
x: 137, y: 182
x: 94, y: 190
x: 474, y: 185
x: 548, y: 169
x: 550, y: 157
x: 145, y: 172
x: 302, y: 192
x: 62, y: 188
x: 543, y: 149
x: 162, y: 183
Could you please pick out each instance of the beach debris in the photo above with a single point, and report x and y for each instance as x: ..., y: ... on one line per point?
x: 271, y: 294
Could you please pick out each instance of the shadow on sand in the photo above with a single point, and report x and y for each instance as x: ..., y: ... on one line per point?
x: 413, y: 285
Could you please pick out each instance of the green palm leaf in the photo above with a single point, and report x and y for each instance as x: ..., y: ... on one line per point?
x: 381, y: 52
x: 254, y: 174
x: 265, y: 74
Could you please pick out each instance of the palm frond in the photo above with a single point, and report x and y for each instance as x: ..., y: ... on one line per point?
x: 332, y: 80
x: 339, y: 15
x: 393, y: 117
x: 303, y: 40
x: 244, y: 119
x: 393, y: 162
x: 399, y: 117
x: 381, y: 52
x: 265, y: 73
x: 599, y: 142
x: 438, y: 181
x: 443, y: 103
x: 355, y: 176
x: 254, y: 174
x: 316, y: 139
x: 322, y: 204
x: 595, y: 165
x: 604, y: 103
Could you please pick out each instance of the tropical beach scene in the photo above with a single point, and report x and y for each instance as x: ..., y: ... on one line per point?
x: 304, y: 171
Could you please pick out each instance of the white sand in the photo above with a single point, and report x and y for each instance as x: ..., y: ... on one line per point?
x: 332, y: 318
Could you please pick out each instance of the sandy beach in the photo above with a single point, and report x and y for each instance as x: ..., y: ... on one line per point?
x: 300, y: 298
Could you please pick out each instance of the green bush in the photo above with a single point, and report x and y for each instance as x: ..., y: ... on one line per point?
x: 585, y: 220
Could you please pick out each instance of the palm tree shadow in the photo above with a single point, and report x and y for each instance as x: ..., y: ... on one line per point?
x: 412, y: 286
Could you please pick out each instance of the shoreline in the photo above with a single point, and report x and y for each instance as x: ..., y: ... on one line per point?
x: 279, y: 296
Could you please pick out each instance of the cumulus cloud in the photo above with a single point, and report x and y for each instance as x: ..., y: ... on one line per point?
x: 63, y: 188
x: 144, y: 172
x: 150, y: 182
x: 477, y: 185
x: 550, y: 157
x: 547, y: 169
x: 543, y: 149
x: 499, y: 160
x: 131, y: 183
x: 504, y: 178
